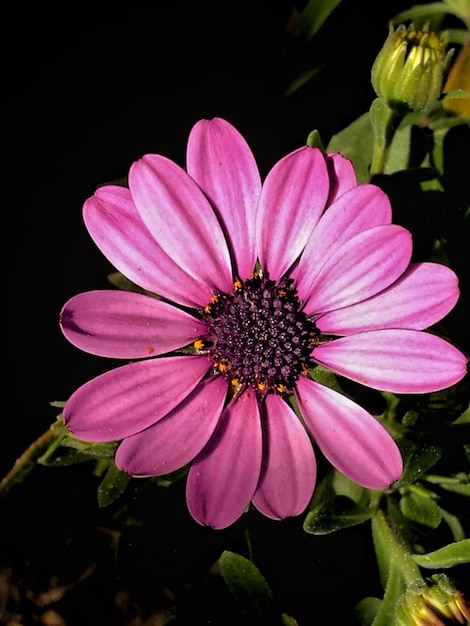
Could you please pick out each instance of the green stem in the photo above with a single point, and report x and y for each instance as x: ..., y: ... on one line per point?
x: 40, y: 449
x: 392, y: 551
x: 384, y: 121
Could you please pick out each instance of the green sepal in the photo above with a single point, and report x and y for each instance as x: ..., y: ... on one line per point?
x: 112, y: 486
x: 457, y: 553
x: 121, y: 282
x: 72, y: 451
x: 314, y: 140
x: 66, y: 449
x: 249, y: 589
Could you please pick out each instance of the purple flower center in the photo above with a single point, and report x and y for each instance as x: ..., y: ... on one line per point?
x: 258, y: 335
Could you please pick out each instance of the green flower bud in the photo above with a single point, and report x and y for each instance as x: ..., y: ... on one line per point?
x: 409, y: 70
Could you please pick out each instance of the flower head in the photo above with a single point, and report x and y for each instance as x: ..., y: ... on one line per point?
x: 409, y: 70
x: 258, y: 284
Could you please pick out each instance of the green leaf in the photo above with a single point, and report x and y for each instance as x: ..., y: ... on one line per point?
x: 366, y: 610
x: 418, y: 506
x: 287, y: 620
x: 425, y: 11
x: 355, y: 142
x: 464, y: 418
x: 457, y: 553
x: 248, y: 588
x: 460, y: 483
x: 314, y: 14
x: 454, y: 525
x: 334, y: 514
x: 344, y: 486
x: 112, y: 486
x: 302, y: 79
x: 417, y: 460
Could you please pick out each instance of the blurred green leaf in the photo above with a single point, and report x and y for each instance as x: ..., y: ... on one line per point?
x: 425, y: 11
x: 302, y: 79
x: 314, y: 14
x: 366, y: 610
x: 460, y: 483
x: 112, y: 486
x: 287, y: 620
x: 248, y: 588
x: 453, y: 554
x: 334, y: 514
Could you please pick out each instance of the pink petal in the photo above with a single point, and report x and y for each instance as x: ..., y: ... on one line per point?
x: 360, y: 268
x: 117, y: 229
x: 400, y: 361
x: 424, y: 294
x: 223, y: 478
x: 349, y: 437
x: 342, y: 175
x: 293, y: 197
x: 288, y: 472
x: 181, y: 219
x: 176, y: 439
x: 130, y: 398
x: 222, y: 164
x: 357, y: 210
x: 126, y: 325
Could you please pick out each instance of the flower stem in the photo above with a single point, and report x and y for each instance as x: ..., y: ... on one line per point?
x: 384, y: 121
x: 42, y: 447
x: 391, y: 550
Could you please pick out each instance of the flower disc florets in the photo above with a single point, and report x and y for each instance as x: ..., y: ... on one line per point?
x: 258, y: 335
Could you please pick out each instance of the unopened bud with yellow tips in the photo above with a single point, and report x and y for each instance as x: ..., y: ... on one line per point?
x: 409, y: 70
x: 432, y: 602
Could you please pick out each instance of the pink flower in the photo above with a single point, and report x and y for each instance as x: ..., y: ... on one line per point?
x: 258, y: 284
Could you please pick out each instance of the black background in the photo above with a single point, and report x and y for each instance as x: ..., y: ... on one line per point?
x: 86, y: 92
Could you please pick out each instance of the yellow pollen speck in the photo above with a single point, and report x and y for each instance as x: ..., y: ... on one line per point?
x: 235, y: 382
x: 149, y: 350
x: 304, y: 369
x: 281, y: 292
x: 222, y: 367
x: 237, y: 285
x: 214, y: 298
x: 261, y: 385
x: 314, y: 341
x: 207, y: 308
x: 198, y: 344
x: 281, y: 388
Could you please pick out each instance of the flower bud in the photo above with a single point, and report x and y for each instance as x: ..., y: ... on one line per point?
x: 434, y: 602
x: 409, y: 70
